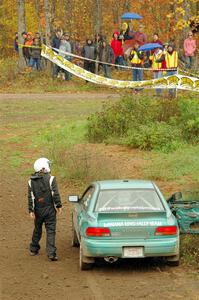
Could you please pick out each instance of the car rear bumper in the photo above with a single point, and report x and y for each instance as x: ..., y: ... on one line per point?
x: 151, y: 248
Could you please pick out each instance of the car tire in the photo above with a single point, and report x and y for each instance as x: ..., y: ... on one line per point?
x: 173, y: 261
x: 83, y: 261
x: 74, y: 241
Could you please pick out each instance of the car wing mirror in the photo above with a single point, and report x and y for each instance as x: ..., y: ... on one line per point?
x: 73, y: 199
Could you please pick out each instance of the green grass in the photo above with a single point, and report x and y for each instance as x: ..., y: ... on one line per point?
x: 16, y: 159
x: 175, y: 166
x: 41, y: 127
x: 38, y: 82
x: 45, y: 127
x: 61, y: 134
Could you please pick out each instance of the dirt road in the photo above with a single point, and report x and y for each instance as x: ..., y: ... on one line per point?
x: 25, y: 277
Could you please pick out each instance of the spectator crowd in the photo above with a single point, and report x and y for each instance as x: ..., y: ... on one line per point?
x: 123, y: 50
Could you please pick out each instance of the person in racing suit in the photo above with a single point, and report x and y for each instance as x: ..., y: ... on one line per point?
x: 43, y: 203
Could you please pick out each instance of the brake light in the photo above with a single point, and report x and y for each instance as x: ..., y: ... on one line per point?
x: 98, y: 231
x: 166, y: 230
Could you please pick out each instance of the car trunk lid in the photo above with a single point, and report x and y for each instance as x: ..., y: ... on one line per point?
x: 132, y: 225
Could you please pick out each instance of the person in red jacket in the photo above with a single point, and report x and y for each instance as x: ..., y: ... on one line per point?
x: 118, y: 51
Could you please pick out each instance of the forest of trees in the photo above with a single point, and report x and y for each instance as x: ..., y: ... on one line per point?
x: 86, y: 17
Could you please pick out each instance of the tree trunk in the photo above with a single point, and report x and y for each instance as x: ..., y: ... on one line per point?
x: 97, y: 16
x: 21, y: 28
x: 47, y: 21
x: 68, y: 15
x: 47, y: 28
x: 186, y: 16
x: 37, y: 7
x: 97, y: 26
x: 53, y: 16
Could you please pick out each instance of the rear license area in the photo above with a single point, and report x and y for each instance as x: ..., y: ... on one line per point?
x: 133, y: 252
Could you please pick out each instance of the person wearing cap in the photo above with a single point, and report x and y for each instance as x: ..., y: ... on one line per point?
x: 189, y: 50
x: 171, y: 59
x: 43, y: 203
x: 106, y: 55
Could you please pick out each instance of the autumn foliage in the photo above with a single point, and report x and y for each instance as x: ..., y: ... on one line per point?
x: 169, y: 18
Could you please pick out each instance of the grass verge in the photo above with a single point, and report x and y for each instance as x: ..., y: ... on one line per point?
x: 180, y: 166
x: 190, y: 250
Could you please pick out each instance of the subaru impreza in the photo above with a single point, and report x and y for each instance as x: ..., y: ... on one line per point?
x: 121, y: 219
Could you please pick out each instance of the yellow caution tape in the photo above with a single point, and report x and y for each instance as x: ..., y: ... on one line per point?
x: 29, y: 46
x: 175, y: 81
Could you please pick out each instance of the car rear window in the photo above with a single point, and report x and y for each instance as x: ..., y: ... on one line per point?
x: 128, y: 200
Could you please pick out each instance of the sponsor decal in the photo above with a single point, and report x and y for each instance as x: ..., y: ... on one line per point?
x: 132, y: 223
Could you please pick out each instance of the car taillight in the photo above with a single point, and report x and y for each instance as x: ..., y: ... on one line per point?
x: 166, y: 230
x: 98, y: 231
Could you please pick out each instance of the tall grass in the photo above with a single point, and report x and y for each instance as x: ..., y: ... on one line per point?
x: 189, y: 245
x: 180, y: 166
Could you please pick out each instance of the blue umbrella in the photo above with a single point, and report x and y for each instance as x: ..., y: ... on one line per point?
x: 131, y: 16
x: 150, y: 46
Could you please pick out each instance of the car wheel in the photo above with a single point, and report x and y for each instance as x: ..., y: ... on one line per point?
x: 173, y: 261
x: 75, y: 241
x: 85, y: 263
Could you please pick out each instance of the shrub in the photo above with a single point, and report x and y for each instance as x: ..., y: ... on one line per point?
x: 147, y: 123
x: 189, y: 120
x: 157, y: 136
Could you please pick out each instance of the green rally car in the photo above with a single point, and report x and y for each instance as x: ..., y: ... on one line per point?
x: 123, y: 219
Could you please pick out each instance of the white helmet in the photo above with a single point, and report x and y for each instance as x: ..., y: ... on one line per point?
x: 42, y: 164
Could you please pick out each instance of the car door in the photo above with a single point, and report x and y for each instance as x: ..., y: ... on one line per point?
x: 81, y: 211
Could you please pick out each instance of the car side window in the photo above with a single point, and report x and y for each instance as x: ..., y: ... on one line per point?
x: 86, y: 197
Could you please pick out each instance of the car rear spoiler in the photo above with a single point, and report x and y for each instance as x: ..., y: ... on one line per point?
x: 130, y: 215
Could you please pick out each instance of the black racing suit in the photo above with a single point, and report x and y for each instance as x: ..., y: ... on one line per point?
x: 43, y: 198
